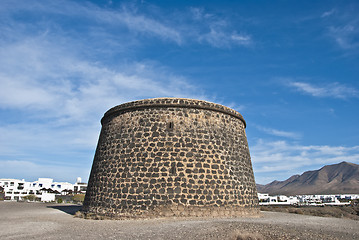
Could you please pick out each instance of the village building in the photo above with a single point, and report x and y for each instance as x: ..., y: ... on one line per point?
x: 330, y: 199
x: 45, y: 189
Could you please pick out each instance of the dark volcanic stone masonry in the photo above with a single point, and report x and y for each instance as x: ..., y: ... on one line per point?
x: 171, y: 157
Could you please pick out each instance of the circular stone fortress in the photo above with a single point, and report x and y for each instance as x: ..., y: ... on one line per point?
x: 167, y: 157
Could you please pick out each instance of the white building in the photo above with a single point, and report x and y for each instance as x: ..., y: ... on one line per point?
x: 348, y: 196
x: 14, y: 188
x: 79, y: 186
x: 265, y: 199
x: 317, y: 200
x: 44, y: 189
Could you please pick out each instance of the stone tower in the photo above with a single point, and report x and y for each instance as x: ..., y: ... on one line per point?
x: 171, y: 157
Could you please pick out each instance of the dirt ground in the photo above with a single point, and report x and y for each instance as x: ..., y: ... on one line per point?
x: 55, y: 221
x: 349, y: 211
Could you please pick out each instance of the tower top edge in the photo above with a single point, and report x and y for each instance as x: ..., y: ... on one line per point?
x: 172, y: 102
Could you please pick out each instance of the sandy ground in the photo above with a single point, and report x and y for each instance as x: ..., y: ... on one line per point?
x: 54, y: 221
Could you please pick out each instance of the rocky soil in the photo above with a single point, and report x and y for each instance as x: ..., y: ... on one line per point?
x: 349, y: 211
x: 54, y: 221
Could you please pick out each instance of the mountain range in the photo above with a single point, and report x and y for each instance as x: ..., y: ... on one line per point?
x: 330, y: 179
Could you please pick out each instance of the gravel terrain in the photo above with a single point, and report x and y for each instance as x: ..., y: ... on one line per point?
x: 55, y: 221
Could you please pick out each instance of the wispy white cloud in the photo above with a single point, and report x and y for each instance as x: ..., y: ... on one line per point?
x: 45, y: 65
x: 61, y: 88
x: 345, y: 36
x: 241, y: 39
x: 328, y: 13
x: 281, y: 159
x: 220, y: 39
x: 64, y: 121
x: 124, y: 17
x: 334, y: 90
x: 343, y: 27
x: 69, y: 95
x: 278, y: 133
x: 217, y: 31
x: 205, y: 28
x: 75, y: 85
x: 140, y: 23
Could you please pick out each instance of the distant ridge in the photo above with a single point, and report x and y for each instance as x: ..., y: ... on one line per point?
x: 330, y: 179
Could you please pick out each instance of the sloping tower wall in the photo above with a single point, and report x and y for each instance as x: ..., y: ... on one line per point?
x: 171, y: 157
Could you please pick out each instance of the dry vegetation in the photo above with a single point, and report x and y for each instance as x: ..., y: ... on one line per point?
x: 351, y: 212
x: 238, y: 235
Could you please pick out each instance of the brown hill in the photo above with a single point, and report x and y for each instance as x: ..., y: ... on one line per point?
x: 337, y: 178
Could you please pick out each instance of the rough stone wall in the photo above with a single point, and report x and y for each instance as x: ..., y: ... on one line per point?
x: 171, y: 157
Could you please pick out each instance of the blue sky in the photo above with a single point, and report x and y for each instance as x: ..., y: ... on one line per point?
x: 289, y: 67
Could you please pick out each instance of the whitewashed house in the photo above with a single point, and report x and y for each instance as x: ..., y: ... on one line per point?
x: 263, y: 197
x: 44, y: 189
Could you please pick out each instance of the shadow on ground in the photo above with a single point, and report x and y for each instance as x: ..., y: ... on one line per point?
x: 71, y: 209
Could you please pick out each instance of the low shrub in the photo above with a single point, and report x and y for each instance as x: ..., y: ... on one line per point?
x: 238, y: 235
x: 30, y: 197
x: 78, y: 198
x: 295, y: 210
